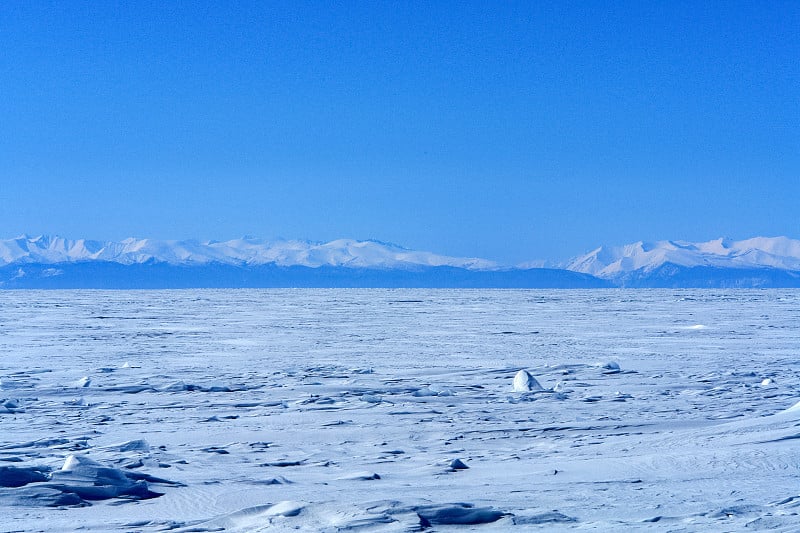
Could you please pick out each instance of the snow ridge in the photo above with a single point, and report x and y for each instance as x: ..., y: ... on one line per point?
x: 759, y: 252
x: 245, y: 251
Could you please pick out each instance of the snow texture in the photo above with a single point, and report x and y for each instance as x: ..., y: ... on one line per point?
x: 393, y: 410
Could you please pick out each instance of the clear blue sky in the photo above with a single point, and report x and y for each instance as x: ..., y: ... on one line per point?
x: 507, y: 130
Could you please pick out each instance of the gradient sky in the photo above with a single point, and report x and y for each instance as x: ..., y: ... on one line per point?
x: 508, y: 130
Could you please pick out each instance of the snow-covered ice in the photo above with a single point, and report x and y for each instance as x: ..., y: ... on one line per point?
x: 399, y: 410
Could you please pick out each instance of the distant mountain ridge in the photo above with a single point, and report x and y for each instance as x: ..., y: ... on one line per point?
x: 245, y: 251
x: 59, y: 263
x: 760, y: 252
x: 56, y: 262
x: 756, y: 262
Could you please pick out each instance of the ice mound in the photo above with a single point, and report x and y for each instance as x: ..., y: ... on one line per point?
x: 79, y: 481
x: 181, y: 386
x: 286, y: 508
x: 457, y: 514
x: 73, y: 462
x: 139, y: 445
x: 524, y: 382
x: 12, y: 476
x: 550, y: 517
x: 279, y: 480
x: 370, y: 398
x: 82, y: 383
x: 793, y: 409
x: 458, y: 464
x: 9, y: 406
x: 432, y: 390
x: 92, y: 481
x: 611, y: 367
x: 251, y: 518
x: 360, y: 476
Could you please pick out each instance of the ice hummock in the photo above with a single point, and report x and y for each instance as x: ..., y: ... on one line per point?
x: 525, y: 382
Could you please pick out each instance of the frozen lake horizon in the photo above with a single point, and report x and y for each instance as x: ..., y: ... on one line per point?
x: 395, y: 409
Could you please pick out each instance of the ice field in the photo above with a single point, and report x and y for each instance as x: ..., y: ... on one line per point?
x: 399, y: 410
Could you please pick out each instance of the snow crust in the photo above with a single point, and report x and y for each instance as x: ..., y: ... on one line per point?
x: 394, y: 410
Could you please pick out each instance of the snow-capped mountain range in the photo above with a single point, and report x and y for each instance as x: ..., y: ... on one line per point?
x: 56, y: 262
x: 241, y: 252
x: 779, y: 253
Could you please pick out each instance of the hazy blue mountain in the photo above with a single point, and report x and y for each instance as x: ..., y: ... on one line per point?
x: 55, y: 262
x: 160, y: 275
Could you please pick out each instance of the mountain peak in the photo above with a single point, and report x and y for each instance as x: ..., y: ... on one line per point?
x: 758, y: 252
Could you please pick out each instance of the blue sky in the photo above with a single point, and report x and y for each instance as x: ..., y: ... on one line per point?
x: 507, y: 130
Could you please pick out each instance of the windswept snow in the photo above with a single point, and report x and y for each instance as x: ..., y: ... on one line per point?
x: 394, y: 410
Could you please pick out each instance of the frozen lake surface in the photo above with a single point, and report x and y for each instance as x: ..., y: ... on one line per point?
x: 399, y: 410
